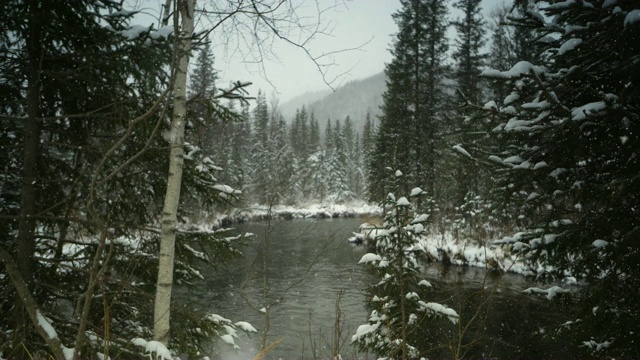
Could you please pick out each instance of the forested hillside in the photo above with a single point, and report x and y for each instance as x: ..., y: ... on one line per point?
x: 355, y: 99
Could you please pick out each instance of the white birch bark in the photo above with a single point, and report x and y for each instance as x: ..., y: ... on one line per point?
x: 162, y: 314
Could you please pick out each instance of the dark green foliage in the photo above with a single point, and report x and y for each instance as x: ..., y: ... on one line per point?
x: 402, y: 323
x: 572, y: 164
x: 467, y: 130
x: 411, y: 113
x: 99, y: 172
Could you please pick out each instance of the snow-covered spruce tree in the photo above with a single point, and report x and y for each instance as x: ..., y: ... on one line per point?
x: 368, y: 134
x: 524, y: 35
x: 502, y: 50
x: 259, y: 155
x: 336, y: 165
x: 412, y: 102
x: 572, y: 161
x: 202, y: 87
x: 401, y: 324
x: 467, y: 129
x: 272, y: 158
x: 299, y: 140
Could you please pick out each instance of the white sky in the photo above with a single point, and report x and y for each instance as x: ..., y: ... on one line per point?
x: 354, y: 23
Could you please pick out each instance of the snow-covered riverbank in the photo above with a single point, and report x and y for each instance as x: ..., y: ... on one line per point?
x: 461, y: 251
x: 285, y: 212
x: 446, y: 248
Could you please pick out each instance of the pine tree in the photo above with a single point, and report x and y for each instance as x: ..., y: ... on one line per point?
x: 202, y: 90
x: 336, y: 166
x: 466, y: 174
x: 203, y: 76
x: 260, y: 161
x: 502, y: 52
x: 525, y: 46
x: 406, y: 138
x: 400, y: 321
x: 572, y: 164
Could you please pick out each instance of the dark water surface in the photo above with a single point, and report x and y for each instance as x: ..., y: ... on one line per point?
x: 508, y: 327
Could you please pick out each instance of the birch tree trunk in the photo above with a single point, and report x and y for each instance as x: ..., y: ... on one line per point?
x: 164, y: 284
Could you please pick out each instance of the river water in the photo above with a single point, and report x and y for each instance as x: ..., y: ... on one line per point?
x: 302, y: 298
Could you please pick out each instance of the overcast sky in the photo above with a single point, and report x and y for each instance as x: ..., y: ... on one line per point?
x: 363, y: 24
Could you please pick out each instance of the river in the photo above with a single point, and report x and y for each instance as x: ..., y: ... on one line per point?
x: 304, y: 317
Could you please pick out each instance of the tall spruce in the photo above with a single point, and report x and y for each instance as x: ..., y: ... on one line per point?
x: 401, y: 322
x: 411, y: 111
x: 469, y: 61
x: 202, y: 89
x: 502, y: 50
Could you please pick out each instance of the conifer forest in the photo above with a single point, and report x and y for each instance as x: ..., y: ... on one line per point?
x: 506, y: 140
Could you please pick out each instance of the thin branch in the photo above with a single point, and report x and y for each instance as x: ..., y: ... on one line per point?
x: 30, y: 304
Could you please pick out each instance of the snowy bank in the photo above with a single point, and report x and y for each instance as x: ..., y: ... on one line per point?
x: 448, y: 249
x: 287, y: 212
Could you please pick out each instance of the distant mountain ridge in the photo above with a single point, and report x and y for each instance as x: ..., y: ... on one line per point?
x: 355, y: 99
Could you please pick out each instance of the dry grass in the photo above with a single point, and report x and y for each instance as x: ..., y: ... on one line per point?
x: 376, y: 220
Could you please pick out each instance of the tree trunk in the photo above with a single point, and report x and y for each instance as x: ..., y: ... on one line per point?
x: 27, y: 223
x: 164, y: 285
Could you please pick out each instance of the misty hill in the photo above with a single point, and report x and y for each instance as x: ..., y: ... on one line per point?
x: 355, y: 98
x: 289, y: 108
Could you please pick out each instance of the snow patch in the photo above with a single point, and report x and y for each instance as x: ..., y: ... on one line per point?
x: 364, y: 330
x: 369, y: 257
x: 591, y: 344
x: 632, y: 18
x: 581, y: 113
x: 403, y: 202
x: 551, y: 292
x: 598, y: 244
x: 569, y: 45
x: 462, y: 151
x: 540, y: 165
x: 518, y: 70
x: 491, y: 105
x: 162, y: 33
x: 441, y: 309
x: 162, y: 353
x: 229, y: 340
x: 134, y: 32
x: 420, y: 219
x: 245, y: 326
x: 46, y: 325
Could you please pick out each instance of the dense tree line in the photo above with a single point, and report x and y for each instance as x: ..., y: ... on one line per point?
x: 274, y: 162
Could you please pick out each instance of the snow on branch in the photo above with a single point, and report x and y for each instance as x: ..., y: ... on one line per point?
x: 520, y: 69
x: 459, y: 149
x: 368, y: 258
x: 551, y: 292
x: 161, y: 351
x: 440, y: 309
x: 43, y: 326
